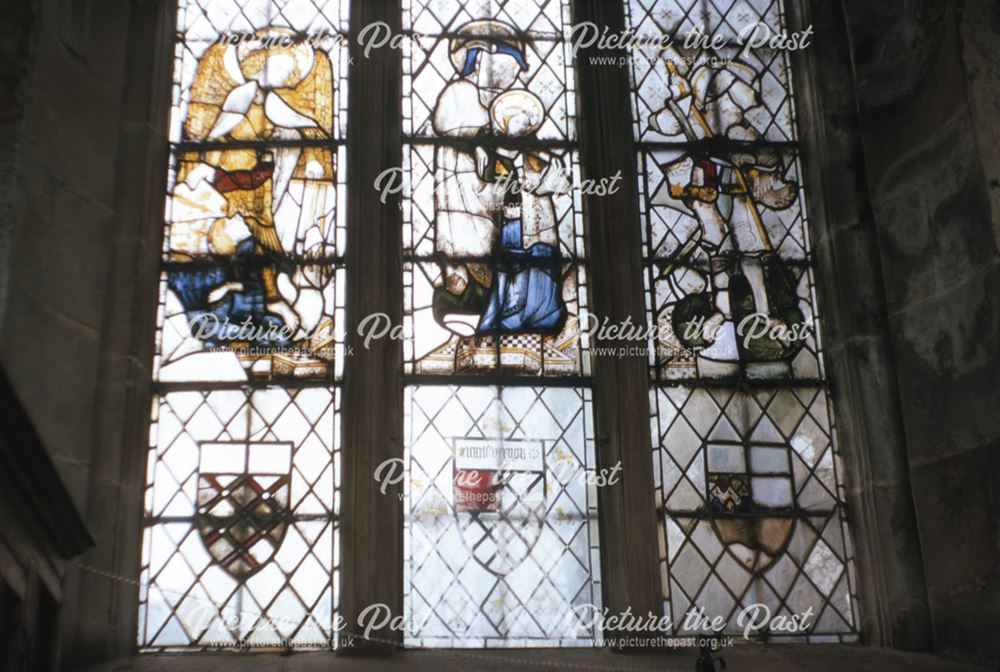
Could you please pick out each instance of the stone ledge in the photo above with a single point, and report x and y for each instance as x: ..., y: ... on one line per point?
x: 744, y: 658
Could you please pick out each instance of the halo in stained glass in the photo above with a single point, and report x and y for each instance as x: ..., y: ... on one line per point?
x: 493, y: 235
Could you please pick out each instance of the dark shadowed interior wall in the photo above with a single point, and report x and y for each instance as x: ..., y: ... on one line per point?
x: 927, y: 80
x: 81, y: 183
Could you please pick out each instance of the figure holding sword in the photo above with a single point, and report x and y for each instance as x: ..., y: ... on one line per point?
x: 724, y: 194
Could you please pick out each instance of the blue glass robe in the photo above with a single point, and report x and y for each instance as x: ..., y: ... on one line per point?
x: 527, y: 288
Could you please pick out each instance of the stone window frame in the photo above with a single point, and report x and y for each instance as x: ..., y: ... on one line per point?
x: 862, y: 379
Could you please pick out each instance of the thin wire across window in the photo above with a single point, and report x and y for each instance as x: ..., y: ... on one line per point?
x: 240, y: 542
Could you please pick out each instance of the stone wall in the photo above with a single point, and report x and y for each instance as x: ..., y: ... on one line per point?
x: 17, y: 21
x: 61, y: 221
x: 81, y: 185
x: 864, y: 383
x: 927, y: 82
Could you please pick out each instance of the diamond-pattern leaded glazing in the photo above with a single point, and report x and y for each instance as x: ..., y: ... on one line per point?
x: 252, y: 282
x: 263, y: 466
x: 420, y: 234
x: 772, y: 109
x: 492, y: 222
x: 500, y: 561
x: 240, y: 527
x: 542, y: 29
x: 560, y: 354
x: 255, y: 233
x: 316, y: 32
x: 748, y: 486
x: 723, y: 17
x: 538, y: 18
x: 428, y: 63
x: 748, y: 476
x: 501, y: 532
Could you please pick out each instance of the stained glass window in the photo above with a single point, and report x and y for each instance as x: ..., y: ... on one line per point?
x: 747, y: 467
x: 240, y: 543
x: 501, y: 535
x: 501, y: 539
x: 494, y: 273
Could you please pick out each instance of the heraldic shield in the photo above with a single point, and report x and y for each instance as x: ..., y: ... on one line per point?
x: 751, y: 500
x: 243, y: 497
x: 499, y: 488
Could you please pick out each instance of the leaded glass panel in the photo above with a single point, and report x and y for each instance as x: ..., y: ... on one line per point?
x: 260, y: 70
x: 241, y: 531
x: 493, y: 232
x: 689, y: 64
x: 501, y: 532
x: 748, y: 475
x: 254, y: 236
x: 501, y: 535
x: 240, y: 543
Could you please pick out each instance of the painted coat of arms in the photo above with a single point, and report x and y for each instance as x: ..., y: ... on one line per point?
x: 243, y: 503
x: 751, y: 499
x: 499, y: 496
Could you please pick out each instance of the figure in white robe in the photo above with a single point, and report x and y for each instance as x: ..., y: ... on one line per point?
x: 488, y: 56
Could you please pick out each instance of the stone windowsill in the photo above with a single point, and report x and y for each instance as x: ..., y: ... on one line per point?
x: 751, y: 658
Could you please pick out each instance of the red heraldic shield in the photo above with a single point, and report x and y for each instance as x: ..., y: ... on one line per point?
x: 243, y: 503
